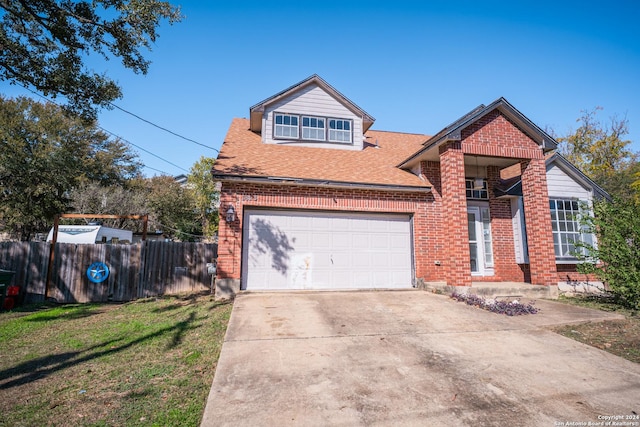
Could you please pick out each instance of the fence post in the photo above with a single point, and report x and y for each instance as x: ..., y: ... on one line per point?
x: 52, y: 252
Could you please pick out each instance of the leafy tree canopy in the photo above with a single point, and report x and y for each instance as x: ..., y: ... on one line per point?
x: 44, y: 153
x: 44, y: 44
x: 205, y: 195
x: 602, y: 152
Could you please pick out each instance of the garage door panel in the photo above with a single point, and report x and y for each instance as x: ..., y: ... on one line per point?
x: 325, y: 250
x: 360, y: 260
x: 398, y: 241
x: 399, y: 261
x: 381, y: 261
x: 321, y: 222
x: 380, y: 241
x: 341, y: 240
x: 321, y: 241
x: 299, y: 222
x: 360, y: 241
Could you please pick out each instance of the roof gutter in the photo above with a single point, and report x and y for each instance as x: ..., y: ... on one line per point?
x: 320, y: 183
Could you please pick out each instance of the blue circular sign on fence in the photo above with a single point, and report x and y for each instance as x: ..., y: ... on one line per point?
x: 98, y: 272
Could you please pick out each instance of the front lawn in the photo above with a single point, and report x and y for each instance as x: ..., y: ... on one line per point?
x: 147, y: 362
x: 620, y: 337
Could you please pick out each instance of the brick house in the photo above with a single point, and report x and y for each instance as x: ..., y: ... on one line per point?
x: 313, y: 198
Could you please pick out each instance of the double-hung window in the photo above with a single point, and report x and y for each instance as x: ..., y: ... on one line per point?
x: 286, y: 126
x: 339, y: 130
x: 567, y: 230
x: 313, y: 128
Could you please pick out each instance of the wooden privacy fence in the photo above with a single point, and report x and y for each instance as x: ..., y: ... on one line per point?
x: 135, y: 271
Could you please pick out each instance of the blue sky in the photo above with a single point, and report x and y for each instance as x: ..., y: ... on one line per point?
x: 416, y: 66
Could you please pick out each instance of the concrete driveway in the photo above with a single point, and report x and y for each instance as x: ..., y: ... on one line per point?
x: 411, y: 358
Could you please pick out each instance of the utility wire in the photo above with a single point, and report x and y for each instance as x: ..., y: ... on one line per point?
x: 154, y: 169
x: 179, y: 231
x: 143, y: 149
x: 162, y: 128
x: 113, y: 134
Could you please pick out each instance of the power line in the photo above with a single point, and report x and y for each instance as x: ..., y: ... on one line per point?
x: 162, y: 128
x: 154, y: 169
x: 143, y: 149
x: 113, y: 134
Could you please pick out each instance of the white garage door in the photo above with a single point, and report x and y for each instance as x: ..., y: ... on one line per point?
x: 325, y: 250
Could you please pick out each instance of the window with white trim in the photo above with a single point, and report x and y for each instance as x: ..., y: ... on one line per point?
x: 286, y: 126
x: 339, y: 130
x: 567, y: 231
x: 313, y: 128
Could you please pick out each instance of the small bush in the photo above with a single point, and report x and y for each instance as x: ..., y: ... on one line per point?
x: 510, y: 308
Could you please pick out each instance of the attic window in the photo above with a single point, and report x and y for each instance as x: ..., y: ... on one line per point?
x: 339, y: 130
x: 313, y: 128
x: 286, y: 126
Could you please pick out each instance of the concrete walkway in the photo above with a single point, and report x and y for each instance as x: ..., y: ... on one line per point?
x: 410, y: 358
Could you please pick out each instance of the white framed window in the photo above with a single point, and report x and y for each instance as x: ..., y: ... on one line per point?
x: 285, y: 126
x: 313, y: 128
x: 339, y: 130
x: 481, y: 194
x: 567, y: 231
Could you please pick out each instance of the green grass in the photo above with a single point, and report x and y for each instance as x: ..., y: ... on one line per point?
x: 145, y: 363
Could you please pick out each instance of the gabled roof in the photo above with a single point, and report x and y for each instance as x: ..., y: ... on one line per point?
x: 512, y: 186
x: 243, y: 157
x: 453, y: 132
x: 257, y: 110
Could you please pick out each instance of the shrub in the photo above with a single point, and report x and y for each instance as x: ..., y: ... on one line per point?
x: 615, y: 258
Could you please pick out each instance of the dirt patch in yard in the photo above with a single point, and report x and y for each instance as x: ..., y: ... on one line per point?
x: 619, y: 337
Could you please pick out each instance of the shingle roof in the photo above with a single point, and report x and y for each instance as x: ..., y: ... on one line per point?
x: 244, y: 155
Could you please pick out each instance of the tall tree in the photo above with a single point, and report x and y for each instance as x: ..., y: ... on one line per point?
x: 602, y: 152
x: 44, y: 153
x: 205, y: 195
x: 171, y: 208
x: 44, y: 44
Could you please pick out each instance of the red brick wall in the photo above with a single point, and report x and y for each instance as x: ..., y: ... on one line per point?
x: 241, y: 195
x: 569, y: 273
x: 542, y: 260
x: 432, y: 245
x: 454, y: 209
x: 494, y: 135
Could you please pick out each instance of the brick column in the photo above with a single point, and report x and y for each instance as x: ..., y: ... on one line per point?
x: 229, y: 239
x: 542, y: 260
x: 455, y: 224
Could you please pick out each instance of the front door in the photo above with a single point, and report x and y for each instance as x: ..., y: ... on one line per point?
x: 480, y: 244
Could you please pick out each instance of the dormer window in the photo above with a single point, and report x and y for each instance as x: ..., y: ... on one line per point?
x: 286, y: 126
x: 313, y: 128
x: 339, y: 130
